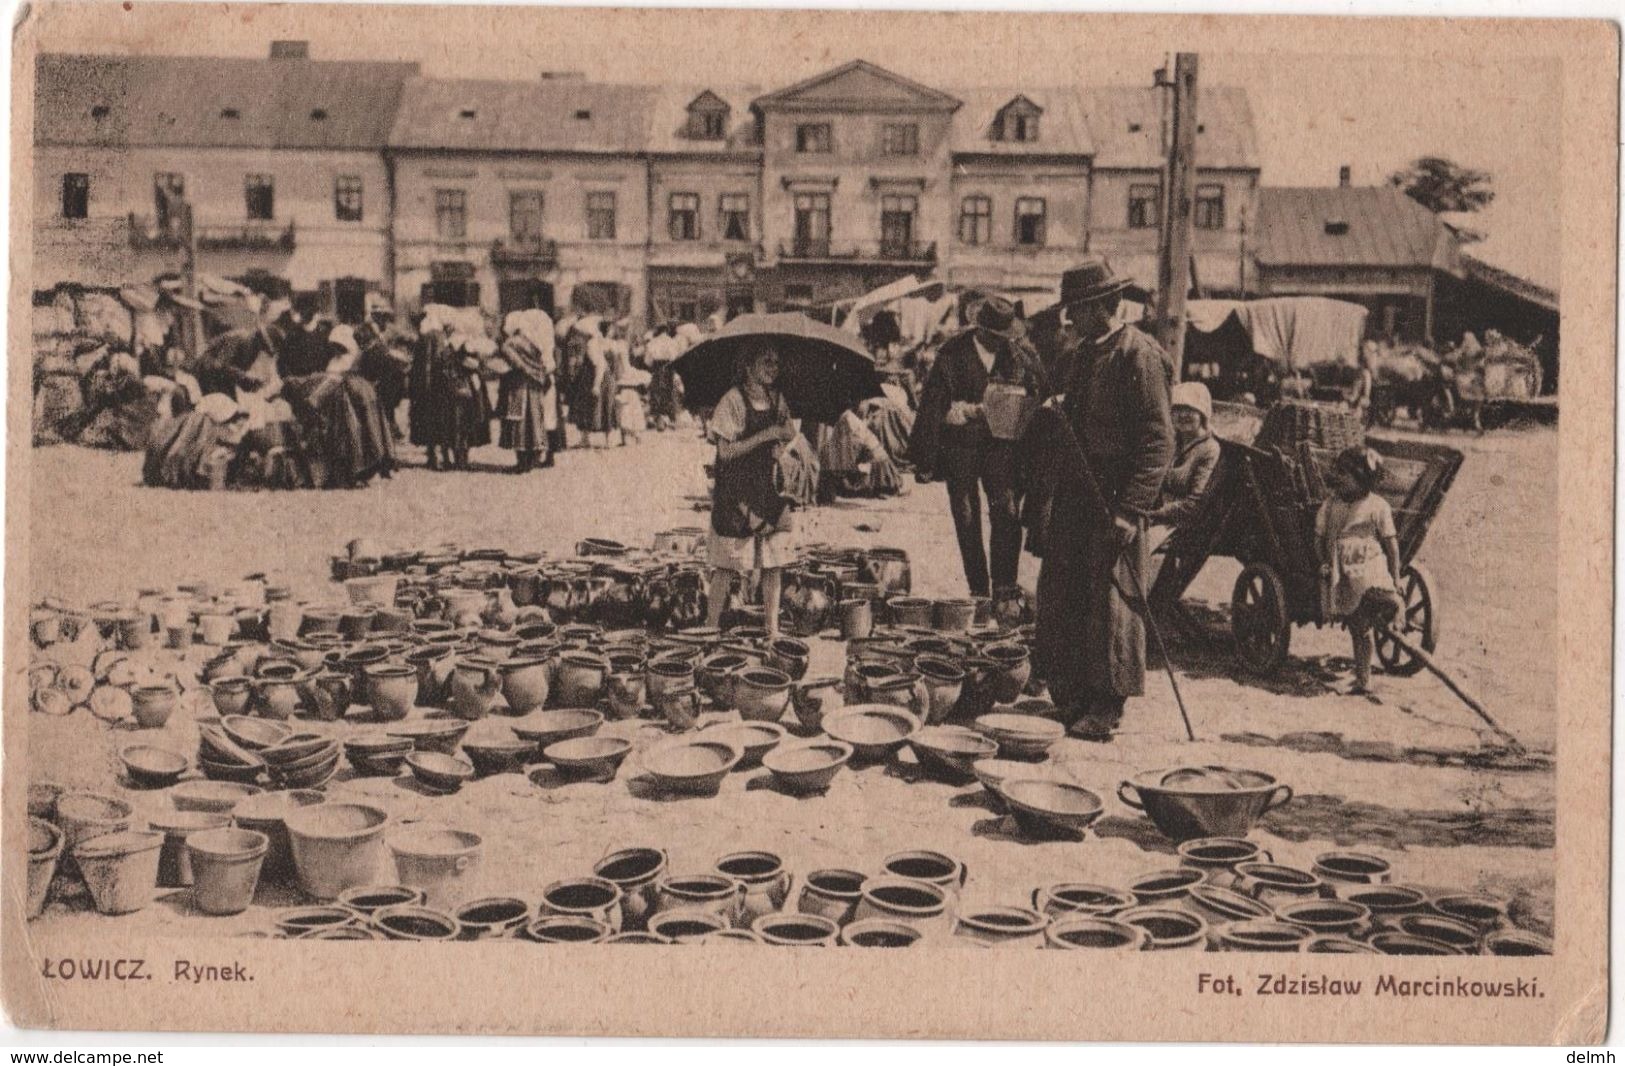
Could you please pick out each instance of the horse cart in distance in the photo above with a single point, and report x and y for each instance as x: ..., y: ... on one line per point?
x: 1260, y: 510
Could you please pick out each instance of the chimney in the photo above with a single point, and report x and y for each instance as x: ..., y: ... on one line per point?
x: 290, y: 49
x: 1344, y: 173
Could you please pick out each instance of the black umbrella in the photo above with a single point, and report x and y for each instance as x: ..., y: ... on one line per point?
x: 823, y: 371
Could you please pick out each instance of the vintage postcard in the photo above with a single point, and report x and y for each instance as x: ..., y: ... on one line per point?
x: 518, y: 516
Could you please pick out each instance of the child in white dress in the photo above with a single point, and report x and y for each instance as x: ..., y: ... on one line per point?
x: 1359, y: 554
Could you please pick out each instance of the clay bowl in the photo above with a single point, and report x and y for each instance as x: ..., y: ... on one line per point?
x: 1264, y: 935
x: 692, y: 765
x: 438, y: 771
x: 809, y: 768
x: 1516, y: 942
x: 439, y: 735
x: 211, y: 797
x: 948, y: 751
x: 367, y: 900
x: 153, y: 767
x: 1482, y: 912
x: 686, y: 926
x: 1448, y: 931
x: 236, y: 773
x: 879, y: 933
x: 312, y: 776
x: 1098, y: 934
x: 498, y: 756
x: 1205, y: 801
x: 755, y: 739
x: 378, y: 756
x: 254, y: 733
x: 1325, y: 916
x: 1406, y: 944
x: 548, y: 727
x: 1020, y: 736
x: 993, y: 773
x: 298, y: 748
x: 215, y: 745
x: 1337, y: 945
x: 567, y: 929
x: 299, y: 922
x: 597, y: 758
x: 874, y: 730
x: 1168, y: 927
x: 1042, y: 807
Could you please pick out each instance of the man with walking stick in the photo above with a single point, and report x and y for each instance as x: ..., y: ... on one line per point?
x: 1103, y: 448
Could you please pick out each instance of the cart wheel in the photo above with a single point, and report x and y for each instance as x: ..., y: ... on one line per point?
x: 1419, y: 622
x: 1258, y: 619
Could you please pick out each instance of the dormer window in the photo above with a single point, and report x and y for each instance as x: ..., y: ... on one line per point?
x: 231, y: 112
x: 467, y: 113
x: 1018, y: 121
x: 1135, y: 127
x: 1337, y: 227
x: 318, y: 114
x: 100, y: 111
x: 708, y: 117
x: 583, y: 116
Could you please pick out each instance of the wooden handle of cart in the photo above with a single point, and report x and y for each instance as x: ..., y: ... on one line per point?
x: 1466, y: 697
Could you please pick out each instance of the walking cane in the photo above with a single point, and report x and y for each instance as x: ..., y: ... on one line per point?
x: 1421, y: 656
x: 1099, y: 496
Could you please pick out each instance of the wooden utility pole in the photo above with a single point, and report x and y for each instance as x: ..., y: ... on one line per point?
x: 194, y: 317
x: 1174, y: 258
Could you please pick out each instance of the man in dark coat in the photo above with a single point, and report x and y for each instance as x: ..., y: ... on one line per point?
x: 951, y: 440
x: 1090, y: 641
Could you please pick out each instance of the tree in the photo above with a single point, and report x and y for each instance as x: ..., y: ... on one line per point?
x: 1439, y: 184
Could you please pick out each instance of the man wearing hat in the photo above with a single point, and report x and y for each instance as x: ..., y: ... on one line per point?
x: 1090, y: 641
x: 951, y: 440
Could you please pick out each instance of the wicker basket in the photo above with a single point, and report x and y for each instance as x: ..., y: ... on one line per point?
x: 1320, y: 425
x: 1007, y: 409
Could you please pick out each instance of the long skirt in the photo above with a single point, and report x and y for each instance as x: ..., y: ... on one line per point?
x: 342, y: 423
x: 663, y: 391
x: 893, y: 426
x: 528, y: 412
x: 1090, y: 638
x: 188, y: 452
x: 451, y: 415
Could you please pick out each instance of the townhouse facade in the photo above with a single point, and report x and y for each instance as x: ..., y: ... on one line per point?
x: 667, y: 203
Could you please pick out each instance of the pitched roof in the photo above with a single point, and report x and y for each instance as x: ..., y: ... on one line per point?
x: 550, y: 115
x: 1385, y: 228
x: 1062, y: 129
x: 668, y: 119
x: 195, y: 101
x: 1125, y: 123
x: 1508, y: 282
x: 858, y: 85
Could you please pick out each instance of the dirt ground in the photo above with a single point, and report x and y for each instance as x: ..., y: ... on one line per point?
x: 1404, y: 774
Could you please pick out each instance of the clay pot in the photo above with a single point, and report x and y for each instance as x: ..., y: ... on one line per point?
x: 266, y: 814
x: 626, y: 694
x: 668, y: 674
x: 174, y: 860
x: 44, y: 852
x: 300, y: 922
x: 1185, y: 803
x: 336, y: 846
x: 225, y: 868
x: 766, y: 881
x: 953, y: 616
x: 440, y: 862
x: 634, y: 871
x: 121, y: 869
x: 760, y: 694
x: 879, y: 933
x: 1387, y: 903
x: 368, y: 900
x: 1459, y: 935
x: 900, y: 899
x: 857, y: 619
x: 1405, y: 944
x: 944, y: 685
x: 909, y: 611
x: 809, y: 698
x: 331, y: 693
x: 216, y: 629
x: 149, y: 766
x: 1002, y: 927
x: 284, y: 619
x: 1329, y: 917
x: 476, y: 688
x: 525, y: 683
x: 1352, y: 868
x: 1219, y: 905
x: 434, y: 664
x: 1077, y: 899
x: 584, y: 897
x: 1515, y: 942
x: 1009, y: 678
x: 276, y: 698
x: 789, y: 656
x: 679, y: 707
x: 832, y: 894
x: 1164, y: 887
x: 1483, y: 912
x: 494, y: 918
x: 715, y: 894
x: 392, y: 690
x: 416, y: 923
x: 135, y: 631
x: 796, y: 930
x: 83, y: 816
x: 932, y: 867
x: 581, y: 678
x: 899, y: 690
x: 464, y: 608
x: 1218, y: 857
x: 1169, y: 929
x: 1273, y: 884
x: 1096, y: 934
x: 153, y: 704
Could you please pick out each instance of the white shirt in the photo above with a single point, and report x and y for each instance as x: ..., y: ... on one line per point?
x: 987, y: 357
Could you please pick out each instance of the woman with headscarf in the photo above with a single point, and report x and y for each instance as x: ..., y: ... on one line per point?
x: 450, y: 411
x: 346, y: 439
x: 526, y: 401
x: 196, y: 450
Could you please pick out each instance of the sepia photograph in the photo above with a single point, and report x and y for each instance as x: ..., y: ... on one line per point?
x: 520, y: 482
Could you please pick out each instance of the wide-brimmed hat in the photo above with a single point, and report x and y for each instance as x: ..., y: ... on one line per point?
x: 997, y: 315
x: 1091, y: 280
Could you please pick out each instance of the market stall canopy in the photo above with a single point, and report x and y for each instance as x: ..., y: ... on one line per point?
x: 823, y: 370
x: 1292, y: 331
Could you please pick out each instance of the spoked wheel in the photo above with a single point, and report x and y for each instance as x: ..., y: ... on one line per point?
x: 1258, y: 619
x: 1418, y: 622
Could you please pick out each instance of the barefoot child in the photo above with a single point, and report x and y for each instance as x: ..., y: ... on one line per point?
x: 1359, y: 554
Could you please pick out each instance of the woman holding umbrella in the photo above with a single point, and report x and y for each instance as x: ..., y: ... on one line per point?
x: 750, y: 522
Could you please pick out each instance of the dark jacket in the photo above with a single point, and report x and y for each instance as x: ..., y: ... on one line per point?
x: 940, y: 450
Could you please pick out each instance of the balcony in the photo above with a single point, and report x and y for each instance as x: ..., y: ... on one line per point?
x: 536, y: 252
x: 146, y: 232
x: 921, y: 253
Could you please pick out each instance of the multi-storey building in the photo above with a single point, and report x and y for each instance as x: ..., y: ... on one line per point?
x: 281, y: 159
x: 665, y: 202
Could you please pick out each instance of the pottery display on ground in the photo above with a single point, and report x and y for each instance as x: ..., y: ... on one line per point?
x: 1095, y: 934
x: 120, y: 869
x: 152, y: 767
x: 225, y: 868
x: 439, y: 772
x: 174, y: 860
x: 494, y: 918
x: 44, y: 852
x: 1002, y: 927
x: 439, y: 862
x: 808, y: 768
x: 874, y: 731
x: 919, y: 904
x: 595, y: 758
x: 336, y: 846
x: 694, y: 766
x: 879, y: 933
x: 1203, y: 801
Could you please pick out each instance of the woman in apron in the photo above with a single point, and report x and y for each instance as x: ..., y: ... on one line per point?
x: 750, y: 522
